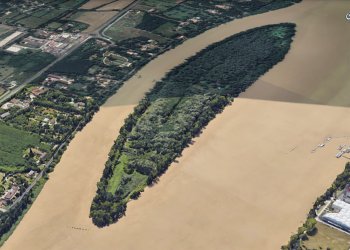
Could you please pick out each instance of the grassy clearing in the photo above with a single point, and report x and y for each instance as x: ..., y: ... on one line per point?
x: 327, y: 238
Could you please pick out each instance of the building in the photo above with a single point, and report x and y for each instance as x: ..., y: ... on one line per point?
x: 56, y: 78
x: 16, y: 103
x: 37, y: 91
x: 42, y: 155
x: 346, y: 194
x: 4, y: 115
x: 340, y: 216
x: 11, y: 193
x: 31, y: 174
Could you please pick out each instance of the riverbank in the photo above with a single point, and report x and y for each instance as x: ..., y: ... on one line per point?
x: 193, y: 207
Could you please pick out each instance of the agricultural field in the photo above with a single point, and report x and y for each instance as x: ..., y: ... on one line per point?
x: 13, y: 144
x: 94, y: 19
x: 23, y: 65
x: 127, y: 28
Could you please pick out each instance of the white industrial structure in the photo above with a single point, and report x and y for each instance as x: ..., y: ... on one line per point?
x: 340, y: 217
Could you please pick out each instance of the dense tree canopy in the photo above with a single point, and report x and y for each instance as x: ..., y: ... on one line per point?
x: 176, y: 110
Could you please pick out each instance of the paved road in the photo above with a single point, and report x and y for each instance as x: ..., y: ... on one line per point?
x: 100, y: 31
x: 47, y: 165
x: 9, y: 94
x: 6, y: 96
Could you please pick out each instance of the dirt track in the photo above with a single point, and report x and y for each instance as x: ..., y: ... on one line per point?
x: 246, y: 183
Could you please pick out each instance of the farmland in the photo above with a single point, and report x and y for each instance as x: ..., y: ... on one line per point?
x: 94, y: 19
x: 21, y: 66
x: 13, y: 144
x: 178, y: 108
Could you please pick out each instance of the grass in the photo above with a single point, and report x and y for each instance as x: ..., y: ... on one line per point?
x: 117, y: 174
x: 4, y: 30
x: 13, y: 143
x: 124, y: 29
x: 23, y: 65
x: 182, y: 12
x: 327, y: 237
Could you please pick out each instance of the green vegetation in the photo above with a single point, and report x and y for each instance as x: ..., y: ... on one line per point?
x: 23, y: 65
x: 13, y: 143
x: 170, y: 21
x: 299, y: 240
x: 79, y: 61
x: 177, y: 109
x: 327, y: 238
x: 52, y: 110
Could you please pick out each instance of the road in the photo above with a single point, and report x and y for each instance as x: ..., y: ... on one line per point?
x: 100, y: 31
x: 11, y: 93
x: 47, y: 165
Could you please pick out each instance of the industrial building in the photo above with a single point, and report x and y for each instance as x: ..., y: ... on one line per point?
x: 340, y: 216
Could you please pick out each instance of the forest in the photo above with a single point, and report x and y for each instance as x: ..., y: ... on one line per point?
x: 178, y: 108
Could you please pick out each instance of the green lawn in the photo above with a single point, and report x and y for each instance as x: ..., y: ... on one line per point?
x: 327, y: 237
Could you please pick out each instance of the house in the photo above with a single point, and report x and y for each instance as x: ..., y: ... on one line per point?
x: 37, y: 91
x: 4, y: 115
x: 42, y: 155
x: 11, y: 193
x: 61, y: 79
x: 31, y: 174
x: 15, y: 103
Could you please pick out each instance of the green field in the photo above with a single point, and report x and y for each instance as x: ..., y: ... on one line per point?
x: 23, y: 65
x: 327, y: 238
x: 13, y: 143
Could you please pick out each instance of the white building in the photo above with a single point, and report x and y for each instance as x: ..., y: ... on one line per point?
x: 340, y: 217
